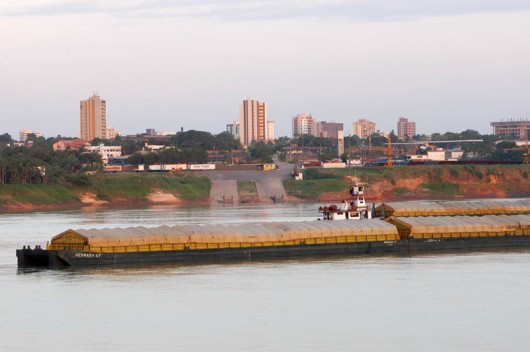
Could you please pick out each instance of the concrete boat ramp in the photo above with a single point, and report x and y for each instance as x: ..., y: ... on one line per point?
x: 269, y: 184
x: 224, y: 191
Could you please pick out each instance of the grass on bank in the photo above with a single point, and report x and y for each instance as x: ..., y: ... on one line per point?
x: 248, y: 187
x: 36, y: 194
x: 136, y: 187
x: 433, y: 171
x: 247, y: 191
x: 442, y: 188
x: 123, y: 187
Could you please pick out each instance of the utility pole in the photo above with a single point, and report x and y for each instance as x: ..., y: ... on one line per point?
x: 526, y: 160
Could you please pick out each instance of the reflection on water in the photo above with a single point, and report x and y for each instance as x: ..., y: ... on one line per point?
x: 463, y: 302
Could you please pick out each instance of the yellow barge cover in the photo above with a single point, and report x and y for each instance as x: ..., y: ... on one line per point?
x: 461, y: 226
x: 212, y: 236
x: 454, y: 208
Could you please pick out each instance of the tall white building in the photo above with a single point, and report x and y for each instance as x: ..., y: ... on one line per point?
x: 23, y: 134
x: 303, y: 124
x: 271, y: 135
x: 252, y: 121
x: 233, y: 129
x: 363, y: 128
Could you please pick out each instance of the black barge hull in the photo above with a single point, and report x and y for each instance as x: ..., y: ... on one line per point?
x: 62, y: 258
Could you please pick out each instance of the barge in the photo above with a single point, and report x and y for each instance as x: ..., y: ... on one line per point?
x: 277, y: 240
x: 453, y: 208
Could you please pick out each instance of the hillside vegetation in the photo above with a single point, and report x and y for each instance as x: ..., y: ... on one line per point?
x: 107, y: 188
x: 416, y: 182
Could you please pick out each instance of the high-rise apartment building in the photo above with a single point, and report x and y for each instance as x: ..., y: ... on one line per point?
x: 363, y: 128
x: 233, y: 129
x: 271, y: 134
x: 329, y: 129
x: 93, y: 118
x: 405, y: 128
x: 252, y: 121
x: 303, y: 124
x: 515, y: 128
x: 25, y: 132
x: 112, y: 133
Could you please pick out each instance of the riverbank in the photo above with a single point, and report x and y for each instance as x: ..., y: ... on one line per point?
x: 415, y: 182
x: 319, y: 185
x: 110, y: 190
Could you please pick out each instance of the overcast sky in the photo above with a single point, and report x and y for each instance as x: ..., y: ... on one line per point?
x: 449, y: 65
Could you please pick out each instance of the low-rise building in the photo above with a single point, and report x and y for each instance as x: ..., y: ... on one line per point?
x: 329, y: 129
x: 152, y: 147
x: 513, y: 127
x: 106, y: 152
x: 73, y: 144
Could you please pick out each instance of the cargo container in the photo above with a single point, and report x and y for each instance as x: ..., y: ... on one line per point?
x: 154, y: 168
x: 174, y: 167
x: 112, y: 168
x: 333, y: 165
x: 450, y: 208
x: 199, y: 167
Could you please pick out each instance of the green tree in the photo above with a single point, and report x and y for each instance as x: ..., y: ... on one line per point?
x: 470, y: 134
x: 6, y: 138
x: 378, y: 140
x: 151, y: 158
x: 194, y: 139
x: 136, y: 159
x: 194, y: 156
x: 169, y: 156
x: 260, y: 151
x: 226, y: 141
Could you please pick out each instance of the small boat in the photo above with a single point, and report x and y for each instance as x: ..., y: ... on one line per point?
x: 353, y: 208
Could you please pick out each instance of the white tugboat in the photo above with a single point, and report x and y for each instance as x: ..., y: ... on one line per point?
x: 354, y: 208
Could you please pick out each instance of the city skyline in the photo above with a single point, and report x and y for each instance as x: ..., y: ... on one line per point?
x: 447, y: 65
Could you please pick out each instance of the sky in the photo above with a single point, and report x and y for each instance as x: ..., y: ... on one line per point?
x: 448, y: 65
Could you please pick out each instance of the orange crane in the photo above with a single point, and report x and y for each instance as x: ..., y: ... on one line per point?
x: 387, y: 150
x: 389, y: 159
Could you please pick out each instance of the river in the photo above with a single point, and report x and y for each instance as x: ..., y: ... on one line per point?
x: 450, y: 302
